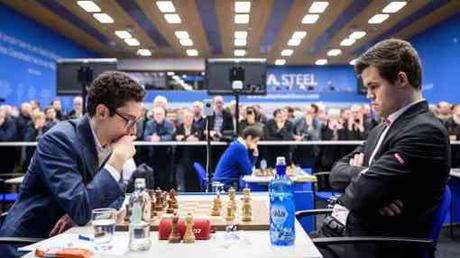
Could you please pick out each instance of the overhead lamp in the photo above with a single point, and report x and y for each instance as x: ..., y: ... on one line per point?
x: 239, y: 52
x: 299, y: 34
x: 123, y: 34
x: 347, y: 42
x: 166, y: 6
x: 242, y: 7
x: 394, y: 6
x: 132, y: 42
x: 310, y: 18
x: 294, y: 42
x: 241, y: 18
x: 334, y: 52
x: 192, y: 52
x: 280, y: 61
x: 321, y: 62
x: 89, y: 6
x: 103, y: 17
x: 241, y: 34
x: 182, y: 34
x: 318, y: 7
x: 172, y: 18
x: 378, y: 18
x: 186, y: 42
x: 287, y: 52
x: 144, y: 52
x: 357, y: 34
x: 240, y: 42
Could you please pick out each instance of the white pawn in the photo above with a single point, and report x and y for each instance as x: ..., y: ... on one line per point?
x: 189, y: 236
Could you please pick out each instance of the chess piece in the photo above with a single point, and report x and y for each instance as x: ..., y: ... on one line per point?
x: 230, y: 216
x: 247, y: 210
x: 165, y: 195
x: 247, y: 192
x: 231, y: 196
x: 172, y: 196
x: 174, y: 236
x: 159, y: 200
x: 189, y: 236
x: 216, y: 207
x: 170, y: 208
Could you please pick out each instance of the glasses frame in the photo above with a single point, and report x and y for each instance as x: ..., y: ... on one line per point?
x: 129, y: 123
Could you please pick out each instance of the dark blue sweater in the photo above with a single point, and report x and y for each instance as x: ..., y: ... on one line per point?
x: 235, y: 162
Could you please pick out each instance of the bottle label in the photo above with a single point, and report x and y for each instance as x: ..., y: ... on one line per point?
x: 278, y: 214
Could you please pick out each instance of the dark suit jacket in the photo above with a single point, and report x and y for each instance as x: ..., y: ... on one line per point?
x: 411, y: 165
x: 195, y: 131
x: 227, y: 124
x: 63, y: 178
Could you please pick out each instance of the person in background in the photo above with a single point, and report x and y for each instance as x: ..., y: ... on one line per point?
x: 239, y: 158
x: 33, y: 132
x: 51, y: 119
x: 24, y: 118
x: 172, y: 116
x: 35, y: 105
x: 221, y: 121
x: 261, y: 117
x: 444, y: 111
x: 8, y: 133
x: 187, y: 131
x: 56, y: 105
x: 160, y: 101
x: 278, y: 129
x: 77, y: 111
x: 77, y: 165
x: 306, y: 128
x: 198, y: 117
x: 250, y: 119
x: 157, y: 130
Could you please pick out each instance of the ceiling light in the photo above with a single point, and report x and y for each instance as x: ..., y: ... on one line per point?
x: 132, y: 42
x: 242, y: 7
x: 294, y: 42
x: 240, y: 42
x: 334, y: 52
x: 318, y: 7
x: 182, y: 34
x: 241, y: 18
x: 378, y: 18
x: 353, y: 62
x: 357, y: 34
x: 172, y: 18
x: 166, y: 6
x: 347, y: 42
x: 321, y: 62
x: 123, y: 34
x: 192, y: 52
x: 394, y: 6
x: 103, y: 17
x: 239, y: 52
x: 287, y: 52
x: 280, y: 61
x: 186, y: 42
x: 310, y: 18
x: 144, y: 52
x: 299, y: 34
x: 89, y: 6
x: 241, y: 34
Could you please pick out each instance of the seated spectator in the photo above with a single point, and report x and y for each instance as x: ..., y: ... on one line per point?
x: 187, y: 131
x: 23, y: 119
x: 250, y: 119
x: 221, y: 122
x: 35, y: 129
x: 77, y: 111
x: 277, y: 129
x: 51, y: 119
x: 56, y: 104
x: 198, y: 118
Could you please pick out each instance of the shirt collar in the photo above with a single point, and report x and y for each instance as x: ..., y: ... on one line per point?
x: 99, y: 147
x: 241, y: 140
x: 393, y: 116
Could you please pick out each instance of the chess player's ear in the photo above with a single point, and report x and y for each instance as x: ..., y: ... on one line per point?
x: 402, y: 81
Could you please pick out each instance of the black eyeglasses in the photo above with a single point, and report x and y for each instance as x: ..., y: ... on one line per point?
x: 130, y: 122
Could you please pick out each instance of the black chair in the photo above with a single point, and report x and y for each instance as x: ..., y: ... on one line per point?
x: 428, y: 244
x: 323, y: 190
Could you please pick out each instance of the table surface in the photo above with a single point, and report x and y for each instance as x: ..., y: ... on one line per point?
x: 253, y: 244
x: 301, y: 177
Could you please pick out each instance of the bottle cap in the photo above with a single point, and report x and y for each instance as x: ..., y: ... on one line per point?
x: 280, y: 160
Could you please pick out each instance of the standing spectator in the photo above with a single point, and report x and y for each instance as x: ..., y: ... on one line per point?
x: 260, y: 114
x: 23, y: 119
x: 444, y: 112
x: 160, y: 101
x: 198, y: 117
x: 33, y: 132
x: 278, y: 129
x: 77, y: 111
x: 35, y: 105
x: 221, y: 121
x: 51, y: 119
x: 250, y: 119
x: 8, y: 133
x: 306, y: 128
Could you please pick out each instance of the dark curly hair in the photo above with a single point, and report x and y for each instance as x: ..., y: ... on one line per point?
x: 113, y: 89
x: 390, y: 57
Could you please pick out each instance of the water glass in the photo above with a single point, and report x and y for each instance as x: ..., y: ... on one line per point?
x: 103, y: 222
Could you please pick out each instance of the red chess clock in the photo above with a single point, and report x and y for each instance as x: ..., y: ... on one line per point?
x: 201, y: 228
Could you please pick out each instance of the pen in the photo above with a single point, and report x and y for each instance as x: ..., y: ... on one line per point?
x: 85, y: 238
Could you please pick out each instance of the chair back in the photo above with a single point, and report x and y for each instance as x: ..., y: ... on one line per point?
x: 440, y: 215
x: 201, y: 173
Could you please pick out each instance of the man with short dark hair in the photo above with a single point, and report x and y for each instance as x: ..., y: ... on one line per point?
x: 393, y: 183
x: 239, y: 158
x: 77, y: 165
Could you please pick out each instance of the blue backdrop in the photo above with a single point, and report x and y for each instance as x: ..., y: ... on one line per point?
x: 28, y: 52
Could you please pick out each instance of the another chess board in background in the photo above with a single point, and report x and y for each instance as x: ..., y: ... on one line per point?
x: 202, y: 209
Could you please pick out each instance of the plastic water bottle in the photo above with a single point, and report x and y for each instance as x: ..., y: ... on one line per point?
x: 263, y: 165
x: 282, y: 209
x: 139, y: 226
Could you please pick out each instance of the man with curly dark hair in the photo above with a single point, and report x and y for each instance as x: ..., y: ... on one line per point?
x: 77, y: 166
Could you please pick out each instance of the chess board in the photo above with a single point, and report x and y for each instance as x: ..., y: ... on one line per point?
x: 202, y: 209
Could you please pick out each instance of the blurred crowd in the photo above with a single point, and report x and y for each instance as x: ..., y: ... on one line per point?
x: 314, y: 122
